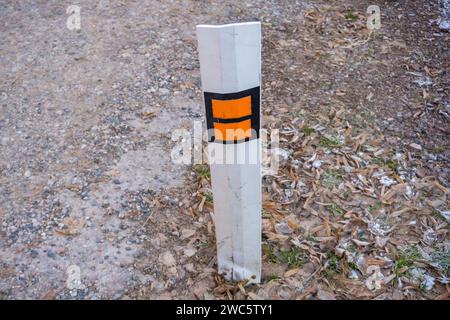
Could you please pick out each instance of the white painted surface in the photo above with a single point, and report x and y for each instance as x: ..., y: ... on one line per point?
x: 230, y: 61
x: 230, y: 56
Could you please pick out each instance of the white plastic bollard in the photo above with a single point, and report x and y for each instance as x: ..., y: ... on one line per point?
x: 230, y: 66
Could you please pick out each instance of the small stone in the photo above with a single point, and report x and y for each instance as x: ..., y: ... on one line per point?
x: 187, y: 233
x: 189, y: 252
x: 189, y: 267
x: 317, y: 163
x: 167, y: 259
x: 283, y: 228
x: 139, y: 254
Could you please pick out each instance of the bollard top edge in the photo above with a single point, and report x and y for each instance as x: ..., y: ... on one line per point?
x: 218, y: 26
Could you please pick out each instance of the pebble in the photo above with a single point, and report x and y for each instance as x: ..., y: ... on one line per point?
x: 167, y: 259
x: 189, y: 252
x: 34, y: 253
x: 283, y: 228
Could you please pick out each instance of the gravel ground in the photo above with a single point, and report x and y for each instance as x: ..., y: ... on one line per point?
x: 86, y: 181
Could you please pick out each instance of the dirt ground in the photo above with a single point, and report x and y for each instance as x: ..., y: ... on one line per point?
x: 358, y: 210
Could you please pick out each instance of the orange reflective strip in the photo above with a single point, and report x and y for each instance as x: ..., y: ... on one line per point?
x: 230, y: 109
x: 232, y: 131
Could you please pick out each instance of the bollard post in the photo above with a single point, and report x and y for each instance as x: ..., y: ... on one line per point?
x: 230, y: 67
